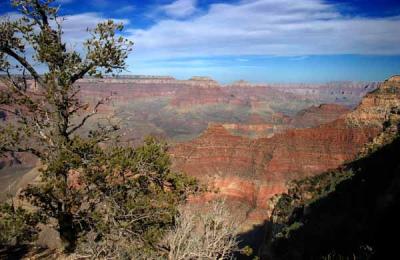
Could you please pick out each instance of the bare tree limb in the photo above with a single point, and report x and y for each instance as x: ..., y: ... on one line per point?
x: 23, y: 62
x: 83, y: 121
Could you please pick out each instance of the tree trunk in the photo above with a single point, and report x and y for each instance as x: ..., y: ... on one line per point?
x: 67, y: 232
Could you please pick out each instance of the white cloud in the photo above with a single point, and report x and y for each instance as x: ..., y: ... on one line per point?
x: 10, y: 16
x: 75, y: 26
x: 268, y: 27
x: 296, y: 28
x: 180, y: 8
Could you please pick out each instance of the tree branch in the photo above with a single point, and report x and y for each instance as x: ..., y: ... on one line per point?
x: 23, y: 62
x: 95, y: 109
x: 42, y: 13
x: 73, y: 111
x: 81, y: 73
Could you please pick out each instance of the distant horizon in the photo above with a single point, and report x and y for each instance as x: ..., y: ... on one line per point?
x: 154, y: 76
x: 133, y: 76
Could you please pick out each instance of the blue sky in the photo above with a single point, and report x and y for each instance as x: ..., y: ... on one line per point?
x: 255, y: 40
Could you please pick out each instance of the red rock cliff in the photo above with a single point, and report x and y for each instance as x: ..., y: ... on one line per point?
x: 252, y: 171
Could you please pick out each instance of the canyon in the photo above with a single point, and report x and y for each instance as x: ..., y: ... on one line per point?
x: 252, y: 171
x: 244, y: 140
x: 180, y: 110
x: 246, y: 143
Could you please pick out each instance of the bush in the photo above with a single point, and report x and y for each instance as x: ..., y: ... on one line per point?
x: 204, y: 233
x: 120, y: 200
x: 17, y: 225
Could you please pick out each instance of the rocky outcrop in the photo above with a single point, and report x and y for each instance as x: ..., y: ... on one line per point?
x: 377, y: 106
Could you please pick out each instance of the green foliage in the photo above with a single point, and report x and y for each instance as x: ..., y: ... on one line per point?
x: 286, y: 231
x: 365, y: 253
x: 247, y: 251
x: 123, y: 194
x: 45, y: 121
x: 17, y: 225
x: 106, y: 200
x: 304, y: 192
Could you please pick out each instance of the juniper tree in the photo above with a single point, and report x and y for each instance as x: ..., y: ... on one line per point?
x: 45, y: 120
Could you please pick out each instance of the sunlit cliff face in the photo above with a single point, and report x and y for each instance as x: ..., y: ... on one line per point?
x: 253, y: 170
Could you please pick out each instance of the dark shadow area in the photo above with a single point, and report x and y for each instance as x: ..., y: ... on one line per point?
x: 26, y: 252
x: 3, y: 116
x: 359, y: 219
x: 253, y: 239
x: 17, y: 252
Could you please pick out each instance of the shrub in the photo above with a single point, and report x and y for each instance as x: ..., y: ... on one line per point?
x: 17, y: 225
x: 204, y: 233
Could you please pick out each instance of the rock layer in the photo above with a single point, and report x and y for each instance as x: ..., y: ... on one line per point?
x: 180, y: 110
x: 255, y: 170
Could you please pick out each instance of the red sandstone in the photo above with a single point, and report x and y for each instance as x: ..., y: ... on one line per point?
x: 252, y: 171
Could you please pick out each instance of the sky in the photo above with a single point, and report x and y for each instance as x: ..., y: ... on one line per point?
x: 254, y: 40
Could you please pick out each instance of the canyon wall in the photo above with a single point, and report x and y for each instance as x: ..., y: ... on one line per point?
x: 181, y: 110
x: 204, y: 90
x: 254, y: 170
